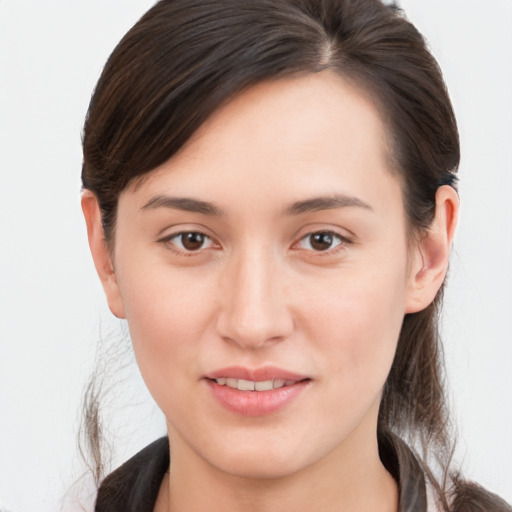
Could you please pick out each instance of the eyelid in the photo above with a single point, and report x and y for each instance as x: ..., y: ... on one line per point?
x: 325, y: 226
x: 343, y: 241
x: 167, y: 240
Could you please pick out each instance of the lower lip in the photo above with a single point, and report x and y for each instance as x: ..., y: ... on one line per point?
x: 256, y: 403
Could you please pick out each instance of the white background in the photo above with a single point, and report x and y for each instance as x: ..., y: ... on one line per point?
x: 52, y: 311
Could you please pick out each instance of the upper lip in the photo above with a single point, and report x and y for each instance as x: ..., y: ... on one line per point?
x: 256, y: 374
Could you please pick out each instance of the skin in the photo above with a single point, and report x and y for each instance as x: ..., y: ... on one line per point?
x: 257, y: 293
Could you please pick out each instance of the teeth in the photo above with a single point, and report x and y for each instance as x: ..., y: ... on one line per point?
x: 246, y: 385
x: 250, y: 385
x: 265, y: 385
x: 232, y: 383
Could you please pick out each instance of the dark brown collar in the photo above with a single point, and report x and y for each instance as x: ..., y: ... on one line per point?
x: 135, y: 485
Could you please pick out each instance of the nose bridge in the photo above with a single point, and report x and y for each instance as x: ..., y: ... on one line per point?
x: 254, y: 309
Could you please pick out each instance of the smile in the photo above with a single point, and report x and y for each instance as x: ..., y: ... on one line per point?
x: 251, y: 385
x: 258, y: 392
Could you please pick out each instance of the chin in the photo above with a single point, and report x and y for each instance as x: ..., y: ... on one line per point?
x: 264, y: 458
x: 259, y: 467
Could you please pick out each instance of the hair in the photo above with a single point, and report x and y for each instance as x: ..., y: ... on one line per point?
x: 186, y: 58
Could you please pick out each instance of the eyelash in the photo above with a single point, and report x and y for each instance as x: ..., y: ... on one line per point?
x: 342, y: 242
x: 168, y: 241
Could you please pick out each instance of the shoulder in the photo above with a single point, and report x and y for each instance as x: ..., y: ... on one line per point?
x: 471, y: 497
x: 417, y: 491
x: 134, y: 486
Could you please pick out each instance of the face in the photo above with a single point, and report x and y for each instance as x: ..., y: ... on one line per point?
x: 269, y: 255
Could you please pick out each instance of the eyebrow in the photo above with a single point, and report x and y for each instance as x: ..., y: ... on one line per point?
x: 316, y: 204
x: 182, y: 203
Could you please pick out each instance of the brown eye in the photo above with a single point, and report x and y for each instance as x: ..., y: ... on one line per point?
x: 192, y: 241
x: 322, y: 241
x: 189, y: 241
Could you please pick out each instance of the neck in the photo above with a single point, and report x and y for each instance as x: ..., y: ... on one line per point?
x: 349, y: 479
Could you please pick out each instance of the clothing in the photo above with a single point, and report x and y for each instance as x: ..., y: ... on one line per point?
x: 135, y: 485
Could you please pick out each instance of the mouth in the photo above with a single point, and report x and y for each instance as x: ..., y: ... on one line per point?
x: 256, y: 392
x: 251, y: 385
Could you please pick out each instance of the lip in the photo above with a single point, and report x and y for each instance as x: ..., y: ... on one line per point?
x: 257, y: 374
x: 256, y: 403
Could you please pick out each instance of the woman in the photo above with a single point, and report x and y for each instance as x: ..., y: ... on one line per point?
x: 269, y: 196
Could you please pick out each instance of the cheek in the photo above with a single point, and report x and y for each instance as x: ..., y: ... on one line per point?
x: 357, y: 325
x: 167, y: 318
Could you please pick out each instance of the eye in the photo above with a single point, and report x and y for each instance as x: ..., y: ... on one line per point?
x: 189, y: 241
x: 321, y: 241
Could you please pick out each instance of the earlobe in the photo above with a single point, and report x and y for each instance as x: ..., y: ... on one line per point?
x: 101, y: 254
x: 429, y: 262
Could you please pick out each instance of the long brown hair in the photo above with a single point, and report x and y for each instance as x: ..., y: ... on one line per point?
x: 185, y: 58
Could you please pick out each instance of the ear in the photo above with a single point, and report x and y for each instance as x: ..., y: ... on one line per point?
x: 431, y: 255
x: 101, y: 254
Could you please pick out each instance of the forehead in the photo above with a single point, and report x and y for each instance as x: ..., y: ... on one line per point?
x: 309, y: 133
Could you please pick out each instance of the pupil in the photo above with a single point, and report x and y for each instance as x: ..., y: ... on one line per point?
x: 321, y: 241
x: 192, y: 241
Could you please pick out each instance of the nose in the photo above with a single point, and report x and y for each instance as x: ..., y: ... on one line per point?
x: 254, y: 304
